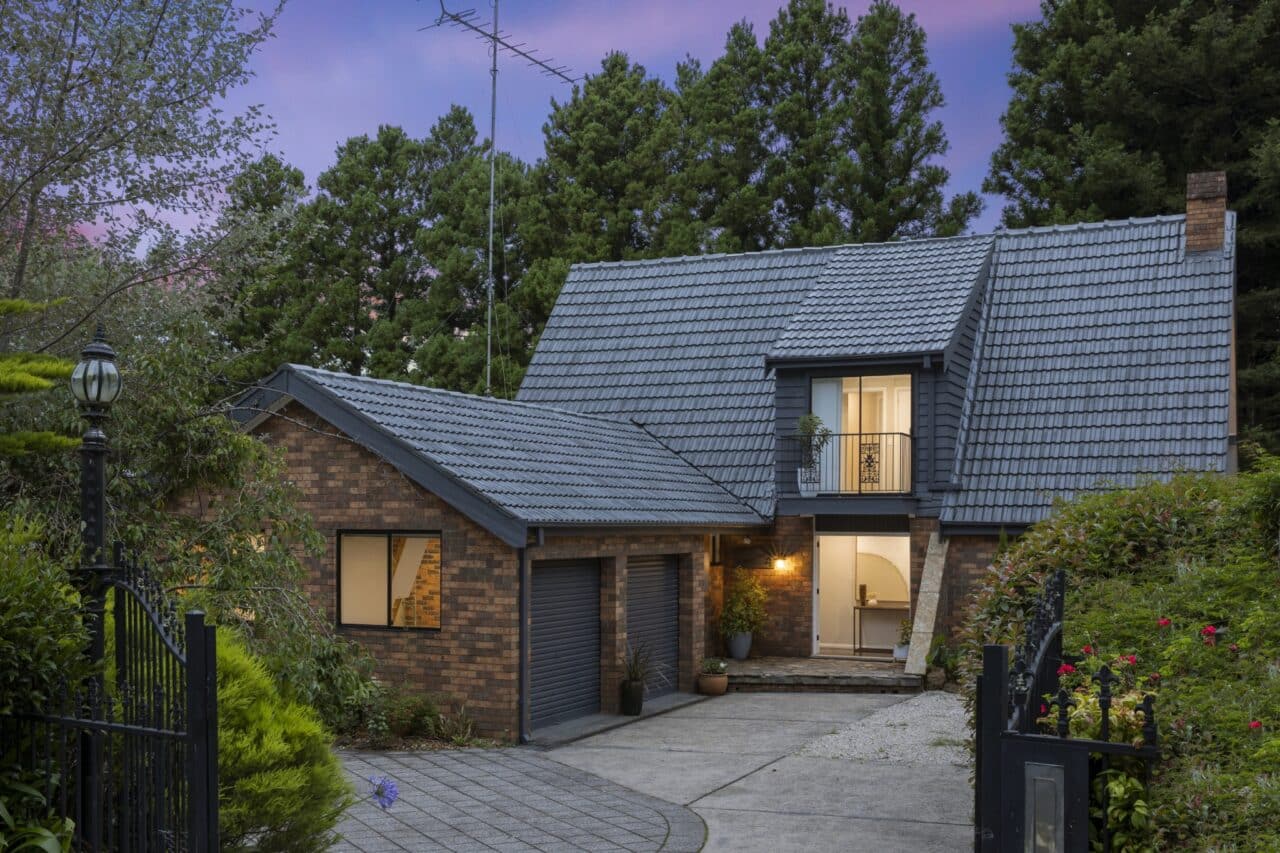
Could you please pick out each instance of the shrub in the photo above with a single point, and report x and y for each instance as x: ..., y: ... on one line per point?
x: 1182, y: 576
x: 744, y: 605
x: 42, y: 640
x: 280, y: 786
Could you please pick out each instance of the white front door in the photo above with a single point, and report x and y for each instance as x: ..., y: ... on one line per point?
x: 835, y: 595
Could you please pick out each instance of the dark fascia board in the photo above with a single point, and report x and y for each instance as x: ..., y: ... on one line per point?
x: 288, y: 384
x: 900, y: 360
x: 599, y: 529
x: 975, y: 292
x: 854, y: 505
x: 1016, y: 528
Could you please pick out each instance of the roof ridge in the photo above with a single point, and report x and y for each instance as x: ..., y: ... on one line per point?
x: 523, y: 404
x: 710, y: 256
x: 1101, y: 224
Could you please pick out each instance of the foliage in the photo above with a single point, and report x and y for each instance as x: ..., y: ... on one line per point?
x: 714, y: 666
x: 904, y: 632
x: 396, y: 719
x: 637, y: 665
x: 1096, y: 86
x: 115, y: 125
x: 23, y: 373
x: 744, y: 605
x: 27, y: 822
x: 1183, y: 576
x: 281, y: 787
x: 41, y: 636
x: 813, y: 435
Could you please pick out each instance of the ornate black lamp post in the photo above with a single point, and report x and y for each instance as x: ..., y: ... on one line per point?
x: 95, y: 382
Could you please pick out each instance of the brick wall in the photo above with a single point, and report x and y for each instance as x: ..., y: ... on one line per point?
x: 790, y: 607
x: 473, y: 656
x: 920, y: 530
x: 967, y: 560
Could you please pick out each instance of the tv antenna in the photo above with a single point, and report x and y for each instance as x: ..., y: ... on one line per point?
x: 467, y: 19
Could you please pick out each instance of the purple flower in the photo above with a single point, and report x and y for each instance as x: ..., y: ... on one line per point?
x: 384, y: 790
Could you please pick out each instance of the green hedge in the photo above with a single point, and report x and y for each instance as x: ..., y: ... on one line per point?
x: 1184, y: 576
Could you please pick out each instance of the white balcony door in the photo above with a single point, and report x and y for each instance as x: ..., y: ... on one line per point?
x: 828, y: 395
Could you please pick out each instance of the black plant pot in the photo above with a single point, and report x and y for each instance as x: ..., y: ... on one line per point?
x: 632, y: 697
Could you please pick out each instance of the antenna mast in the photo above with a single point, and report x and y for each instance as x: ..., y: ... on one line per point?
x: 466, y: 19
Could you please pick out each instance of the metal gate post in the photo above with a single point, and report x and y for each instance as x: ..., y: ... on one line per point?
x: 993, y: 706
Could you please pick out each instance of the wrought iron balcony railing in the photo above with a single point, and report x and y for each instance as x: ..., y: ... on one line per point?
x: 851, y: 464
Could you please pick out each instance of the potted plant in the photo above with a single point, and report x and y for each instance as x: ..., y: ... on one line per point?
x: 636, y: 668
x: 904, y: 640
x: 713, y: 680
x: 813, y: 436
x: 743, y: 614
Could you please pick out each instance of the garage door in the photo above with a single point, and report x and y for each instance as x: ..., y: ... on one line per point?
x: 564, y: 669
x: 653, y: 617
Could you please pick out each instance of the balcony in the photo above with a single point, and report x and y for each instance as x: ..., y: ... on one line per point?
x: 866, y: 463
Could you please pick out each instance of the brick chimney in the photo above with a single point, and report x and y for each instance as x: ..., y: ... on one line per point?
x: 1206, y: 210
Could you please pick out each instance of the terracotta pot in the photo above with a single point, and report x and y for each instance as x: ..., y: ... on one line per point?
x: 631, y: 697
x: 710, y: 684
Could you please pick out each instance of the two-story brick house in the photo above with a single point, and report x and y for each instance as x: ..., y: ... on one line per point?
x: 966, y: 382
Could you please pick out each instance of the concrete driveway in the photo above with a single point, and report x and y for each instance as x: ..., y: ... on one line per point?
x: 801, y: 771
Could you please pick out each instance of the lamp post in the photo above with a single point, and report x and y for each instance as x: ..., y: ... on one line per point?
x: 95, y: 382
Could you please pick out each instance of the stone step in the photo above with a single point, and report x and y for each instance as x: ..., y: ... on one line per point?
x: 818, y: 683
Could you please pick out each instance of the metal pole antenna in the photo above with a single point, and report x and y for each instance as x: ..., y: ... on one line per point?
x: 467, y: 20
x: 493, y: 150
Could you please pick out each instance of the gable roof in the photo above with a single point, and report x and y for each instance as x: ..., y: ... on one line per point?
x: 886, y: 299
x: 1103, y: 357
x: 1102, y: 354
x: 508, y: 465
x: 678, y: 345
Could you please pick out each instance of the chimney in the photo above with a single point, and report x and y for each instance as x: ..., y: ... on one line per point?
x: 1206, y: 210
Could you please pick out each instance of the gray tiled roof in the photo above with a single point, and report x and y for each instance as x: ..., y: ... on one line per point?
x: 539, y: 465
x: 1103, y: 357
x: 679, y: 346
x: 886, y: 299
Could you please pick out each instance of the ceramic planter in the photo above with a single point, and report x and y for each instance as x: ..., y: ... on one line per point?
x: 631, y: 697
x: 807, y: 482
x: 739, y: 646
x: 900, y: 651
x: 712, y: 684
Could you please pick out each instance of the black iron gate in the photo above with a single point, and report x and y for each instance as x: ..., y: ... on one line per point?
x: 1033, y: 779
x: 130, y: 755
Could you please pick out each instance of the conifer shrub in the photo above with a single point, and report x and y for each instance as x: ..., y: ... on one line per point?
x: 281, y: 788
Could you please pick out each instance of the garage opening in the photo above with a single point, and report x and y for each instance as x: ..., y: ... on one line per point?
x: 564, y: 666
x: 653, y: 618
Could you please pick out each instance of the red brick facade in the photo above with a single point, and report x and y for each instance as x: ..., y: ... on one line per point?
x: 790, y: 606
x: 473, y: 657
x: 967, y: 560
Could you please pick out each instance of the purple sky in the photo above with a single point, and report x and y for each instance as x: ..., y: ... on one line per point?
x: 338, y: 69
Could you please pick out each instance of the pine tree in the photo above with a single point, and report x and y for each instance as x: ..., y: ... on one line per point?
x: 892, y: 187
x: 1115, y: 103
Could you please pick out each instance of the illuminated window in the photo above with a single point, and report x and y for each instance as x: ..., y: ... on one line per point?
x: 389, y: 579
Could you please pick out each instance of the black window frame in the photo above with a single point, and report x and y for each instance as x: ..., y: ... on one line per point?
x: 389, y: 536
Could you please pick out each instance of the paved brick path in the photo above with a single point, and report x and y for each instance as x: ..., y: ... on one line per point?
x: 508, y: 800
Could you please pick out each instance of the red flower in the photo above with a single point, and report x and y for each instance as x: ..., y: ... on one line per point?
x: 1044, y: 709
x: 1255, y: 724
x: 1208, y: 631
x: 1132, y: 659
x: 1088, y: 650
x: 1066, y: 669
x: 1164, y: 622
x: 1234, y: 647
x: 1155, y: 676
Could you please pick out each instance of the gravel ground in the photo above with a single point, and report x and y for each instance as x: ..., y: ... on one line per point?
x: 926, y: 729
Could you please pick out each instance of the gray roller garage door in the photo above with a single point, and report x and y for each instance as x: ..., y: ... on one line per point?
x: 564, y: 670
x: 653, y: 617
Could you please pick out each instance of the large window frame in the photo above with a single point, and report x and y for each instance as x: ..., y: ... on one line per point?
x: 390, y: 537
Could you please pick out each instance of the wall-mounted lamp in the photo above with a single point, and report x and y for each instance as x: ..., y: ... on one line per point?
x: 781, y: 564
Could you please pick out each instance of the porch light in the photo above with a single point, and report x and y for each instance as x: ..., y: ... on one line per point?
x: 781, y: 564
x: 95, y: 382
